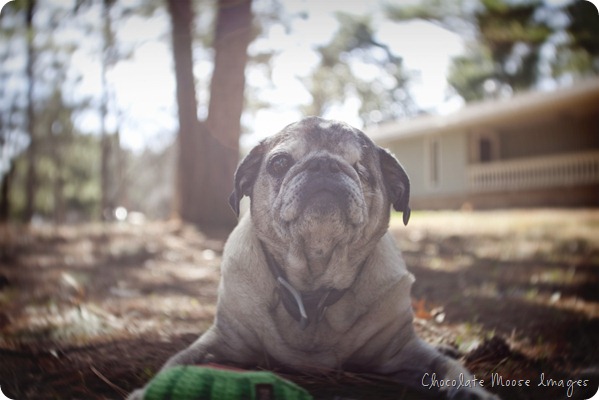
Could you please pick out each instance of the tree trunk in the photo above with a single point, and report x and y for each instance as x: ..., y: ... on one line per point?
x: 222, y: 127
x: 5, y: 194
x: 57, y: 152
x: 106, y: 200
x: 59, y: 203
x: 31, y: 177
x: 209, y: 152
x: 122, y: 193
x: 188, y: 139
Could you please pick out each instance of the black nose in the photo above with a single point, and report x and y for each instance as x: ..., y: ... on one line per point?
x: 323, y: 165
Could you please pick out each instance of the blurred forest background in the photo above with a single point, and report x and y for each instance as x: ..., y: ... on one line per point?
x: 139, y: 106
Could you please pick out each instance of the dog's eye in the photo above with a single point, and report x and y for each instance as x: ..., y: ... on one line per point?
x: 363, y: 173
x: 359, y: 170
x: 279, y: 165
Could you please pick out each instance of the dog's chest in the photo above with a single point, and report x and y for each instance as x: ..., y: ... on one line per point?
x: 325, y: 341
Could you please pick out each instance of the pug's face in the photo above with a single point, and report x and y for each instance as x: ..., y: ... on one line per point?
x: 319, y: 186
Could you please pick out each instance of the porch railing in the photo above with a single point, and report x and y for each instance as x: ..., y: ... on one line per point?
x: 538, y: 172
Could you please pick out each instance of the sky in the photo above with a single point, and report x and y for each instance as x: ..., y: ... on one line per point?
x: 146, y: 88
x: 142, y: 93
x: 142, y: 87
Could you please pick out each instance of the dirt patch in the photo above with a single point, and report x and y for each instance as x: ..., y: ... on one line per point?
x: 92, y: 311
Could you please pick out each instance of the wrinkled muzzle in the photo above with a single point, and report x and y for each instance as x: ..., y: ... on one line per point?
x: 323, y: 187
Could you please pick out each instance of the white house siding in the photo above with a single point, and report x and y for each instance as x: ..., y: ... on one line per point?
x: 415, y: 156
x: 410, y: 153
x: 454, y: 162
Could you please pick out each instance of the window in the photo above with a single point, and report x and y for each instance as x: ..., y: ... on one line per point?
x: 434, y: 162
x: 485, y: 150
x: 484, y: 146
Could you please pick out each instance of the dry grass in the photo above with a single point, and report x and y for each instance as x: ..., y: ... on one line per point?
x: 92, y: 311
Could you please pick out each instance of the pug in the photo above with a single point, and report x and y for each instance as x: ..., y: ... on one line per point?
x: 311, y: 278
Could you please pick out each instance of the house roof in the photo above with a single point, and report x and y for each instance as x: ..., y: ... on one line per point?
x: 579, y: 98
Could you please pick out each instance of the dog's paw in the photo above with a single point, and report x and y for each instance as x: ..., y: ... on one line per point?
x: 448, y: 351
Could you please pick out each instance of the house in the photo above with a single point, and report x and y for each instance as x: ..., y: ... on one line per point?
x: 538, y: 149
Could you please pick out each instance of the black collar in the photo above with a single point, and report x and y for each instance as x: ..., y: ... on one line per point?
x: 306, y: 306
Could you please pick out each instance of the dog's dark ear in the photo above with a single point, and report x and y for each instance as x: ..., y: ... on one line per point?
x: 246, y: 175
x: 397, y: 183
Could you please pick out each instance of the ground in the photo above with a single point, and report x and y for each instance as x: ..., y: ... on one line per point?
x: 92, y: 311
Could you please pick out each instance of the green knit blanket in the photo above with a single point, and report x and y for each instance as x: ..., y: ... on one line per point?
x: 204, y: 383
